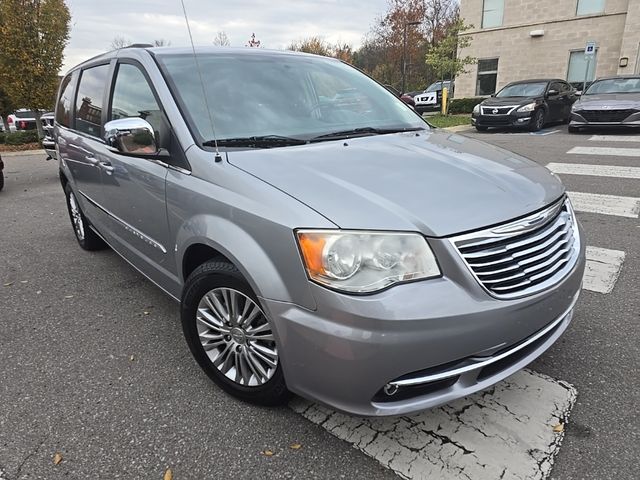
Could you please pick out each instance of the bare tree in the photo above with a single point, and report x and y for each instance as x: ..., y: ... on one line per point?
x: 253, y: 42
x: 119, y: 42
x: 222, y: 40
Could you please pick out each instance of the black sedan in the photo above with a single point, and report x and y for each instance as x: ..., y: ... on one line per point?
x: 608, y: 102
x: 526, y: 104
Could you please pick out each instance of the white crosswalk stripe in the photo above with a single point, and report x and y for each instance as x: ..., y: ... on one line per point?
x: 611, y: 151
x: 615, y: 138
x: 595, y: 170
x: 603, y: 269
x: 605, y: 204
x: 505, y: 432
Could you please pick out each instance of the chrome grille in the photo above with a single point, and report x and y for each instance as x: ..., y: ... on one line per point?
x: 525, y: 256
x: 497, y: 110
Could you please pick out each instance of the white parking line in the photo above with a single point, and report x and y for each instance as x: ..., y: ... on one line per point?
x: 595, y: 170
x: 615, y: 138
x: 603, y: 269
x: 612, y: 151
x: 505, y: 432
x: 605, y: 204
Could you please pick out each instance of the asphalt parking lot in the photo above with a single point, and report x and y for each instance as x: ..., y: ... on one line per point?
x: 95, y: 367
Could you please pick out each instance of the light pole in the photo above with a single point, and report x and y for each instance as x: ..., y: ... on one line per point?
x: 404, y: 56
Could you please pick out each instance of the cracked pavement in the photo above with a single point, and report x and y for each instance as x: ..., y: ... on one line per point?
x: 505, y: 432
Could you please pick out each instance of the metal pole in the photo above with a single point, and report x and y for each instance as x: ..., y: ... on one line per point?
x: 586, y: 75
x: 404, y: 60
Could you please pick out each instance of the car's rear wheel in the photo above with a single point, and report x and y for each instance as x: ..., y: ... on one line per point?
x: 537, y: 121
x: 87, y: 238
x: 481, y: 129
x: 230, y: 336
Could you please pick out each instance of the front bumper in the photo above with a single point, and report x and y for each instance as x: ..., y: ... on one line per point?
x: 427, y: 342
x: 429, y: 107
x: 514, y: 119
x: 604, y: 121
x: 49, y: 147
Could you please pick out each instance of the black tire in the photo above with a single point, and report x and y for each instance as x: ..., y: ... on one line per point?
x: 537, y: 120
x: 481, y: 129
x: 86, y: 237
x: 215, y: 275
x: 573, y: 129
x: 1, y: 180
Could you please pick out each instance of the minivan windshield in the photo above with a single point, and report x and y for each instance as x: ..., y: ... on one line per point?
x: 281, y: 96
x: 523, y: 90
x: 614, y: 85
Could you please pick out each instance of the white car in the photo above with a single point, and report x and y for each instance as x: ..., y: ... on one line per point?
x: 21, y: 119
x: 431, y: 99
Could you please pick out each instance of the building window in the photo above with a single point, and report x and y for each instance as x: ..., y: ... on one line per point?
x: 589, y: 7
x: 578, y: 68
x: 492, y: 13
x: 487, y: 76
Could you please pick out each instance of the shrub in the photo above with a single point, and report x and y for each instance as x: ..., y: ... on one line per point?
x: 19, y: 138
x: 464, y: 105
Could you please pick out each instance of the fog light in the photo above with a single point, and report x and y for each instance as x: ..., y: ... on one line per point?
x: 391, y: 389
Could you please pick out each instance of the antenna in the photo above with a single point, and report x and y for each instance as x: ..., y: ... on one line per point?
x: 204, y: 93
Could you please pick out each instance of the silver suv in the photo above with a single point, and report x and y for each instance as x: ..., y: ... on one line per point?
x: 319, y: 242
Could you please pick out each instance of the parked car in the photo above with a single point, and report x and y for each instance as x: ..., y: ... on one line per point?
x: 431, y: 99
x: 608, y: 102
x: 402, y: 96
x: 1, y: 173
x: 527, y: 103
x: 351, y: 255
x: 2, y: 127
x: 21, y: 119
x: 48, y: 143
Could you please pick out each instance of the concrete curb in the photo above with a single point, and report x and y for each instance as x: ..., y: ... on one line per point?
x: 22, y: 153
x: 459, y: 128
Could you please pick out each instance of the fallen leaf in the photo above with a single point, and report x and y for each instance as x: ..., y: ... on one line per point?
x: 57, y: 458
x: 267, y: 453
x: 168, y: 475
x: 68, y: 296
x: 8, y: 284
x: 295, y: 446
x: 146, y: 313
x: 131, y: 358
x: 38, y: 292
x: 24, y: 281
x: 559, y: 428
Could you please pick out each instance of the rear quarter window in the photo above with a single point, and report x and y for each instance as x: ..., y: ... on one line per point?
x: 64, y: 107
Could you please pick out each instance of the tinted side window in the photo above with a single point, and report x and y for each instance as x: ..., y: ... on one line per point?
x: 65, y: 102
x: 89, y: 100
x: 133, y: 97
x: 556, y: 86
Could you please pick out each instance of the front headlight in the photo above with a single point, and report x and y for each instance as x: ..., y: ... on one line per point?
x: 476, y: 109
x: 364, y: 262
x: 529, y: 107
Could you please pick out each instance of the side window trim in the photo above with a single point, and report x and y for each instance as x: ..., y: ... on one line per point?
x: 74, y: 76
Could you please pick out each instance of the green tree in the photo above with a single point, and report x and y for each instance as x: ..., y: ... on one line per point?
x: 33, y: 35
x: 443, y: 57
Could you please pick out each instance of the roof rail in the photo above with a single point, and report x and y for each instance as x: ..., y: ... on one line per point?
x: 139, y: 45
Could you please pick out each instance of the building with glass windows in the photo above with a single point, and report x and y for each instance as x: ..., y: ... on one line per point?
x: 523, y: 39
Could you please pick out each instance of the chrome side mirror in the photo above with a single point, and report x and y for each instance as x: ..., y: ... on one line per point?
x: 132, y: 135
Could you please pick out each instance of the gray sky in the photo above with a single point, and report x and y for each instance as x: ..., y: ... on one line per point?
x: 276, y: 23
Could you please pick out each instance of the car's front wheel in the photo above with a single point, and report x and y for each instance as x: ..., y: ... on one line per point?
x: 87, y: 238
x: 230, y: 336
x: 537, y: 121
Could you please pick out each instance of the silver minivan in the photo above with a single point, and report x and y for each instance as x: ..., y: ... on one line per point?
x: 321, y: 237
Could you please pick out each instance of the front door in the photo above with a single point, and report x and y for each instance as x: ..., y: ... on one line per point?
x: 555, y: 102
x: 134, y: 187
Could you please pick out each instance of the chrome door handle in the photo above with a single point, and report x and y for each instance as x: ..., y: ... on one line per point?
x: 108, y: 168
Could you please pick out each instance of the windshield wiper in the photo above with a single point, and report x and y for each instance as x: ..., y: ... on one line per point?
x: 362, y: 132
x: 260, y: 141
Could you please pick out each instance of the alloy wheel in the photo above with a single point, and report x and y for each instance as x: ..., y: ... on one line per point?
x: 76, y: 217
x: 237, y: 337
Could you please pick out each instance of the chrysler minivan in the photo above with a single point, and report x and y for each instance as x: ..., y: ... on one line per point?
x: 334, y: 246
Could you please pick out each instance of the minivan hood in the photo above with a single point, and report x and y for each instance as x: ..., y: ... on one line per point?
x: 437, y: 183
